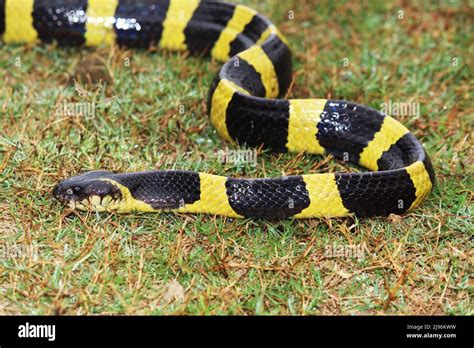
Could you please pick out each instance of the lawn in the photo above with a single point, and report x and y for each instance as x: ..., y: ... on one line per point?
x: 150, y: 113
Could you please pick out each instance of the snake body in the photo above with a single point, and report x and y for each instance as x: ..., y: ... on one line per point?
x: 245, y: 106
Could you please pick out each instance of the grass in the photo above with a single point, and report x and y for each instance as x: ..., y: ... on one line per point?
x: 150, y: 113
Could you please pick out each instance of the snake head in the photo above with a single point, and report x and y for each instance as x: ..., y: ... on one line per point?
x: 90, y: 191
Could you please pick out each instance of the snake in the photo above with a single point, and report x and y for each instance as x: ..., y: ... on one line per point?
x: 247, y: 105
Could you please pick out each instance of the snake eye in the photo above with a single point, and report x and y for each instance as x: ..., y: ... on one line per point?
x: 77, y: 189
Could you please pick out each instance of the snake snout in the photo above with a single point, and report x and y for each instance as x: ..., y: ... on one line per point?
x: 57, y: 191
x: 67, y: 192
x: 90, y: 190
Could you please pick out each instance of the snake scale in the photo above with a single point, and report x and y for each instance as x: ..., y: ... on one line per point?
x: 246, y: 107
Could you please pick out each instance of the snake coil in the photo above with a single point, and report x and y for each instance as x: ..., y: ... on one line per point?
x: 245, y: 107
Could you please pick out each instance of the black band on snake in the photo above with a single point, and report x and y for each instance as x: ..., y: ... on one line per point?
x: 245, y: 106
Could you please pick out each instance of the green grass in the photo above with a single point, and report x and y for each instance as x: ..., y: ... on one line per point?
x: 58, y: 261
